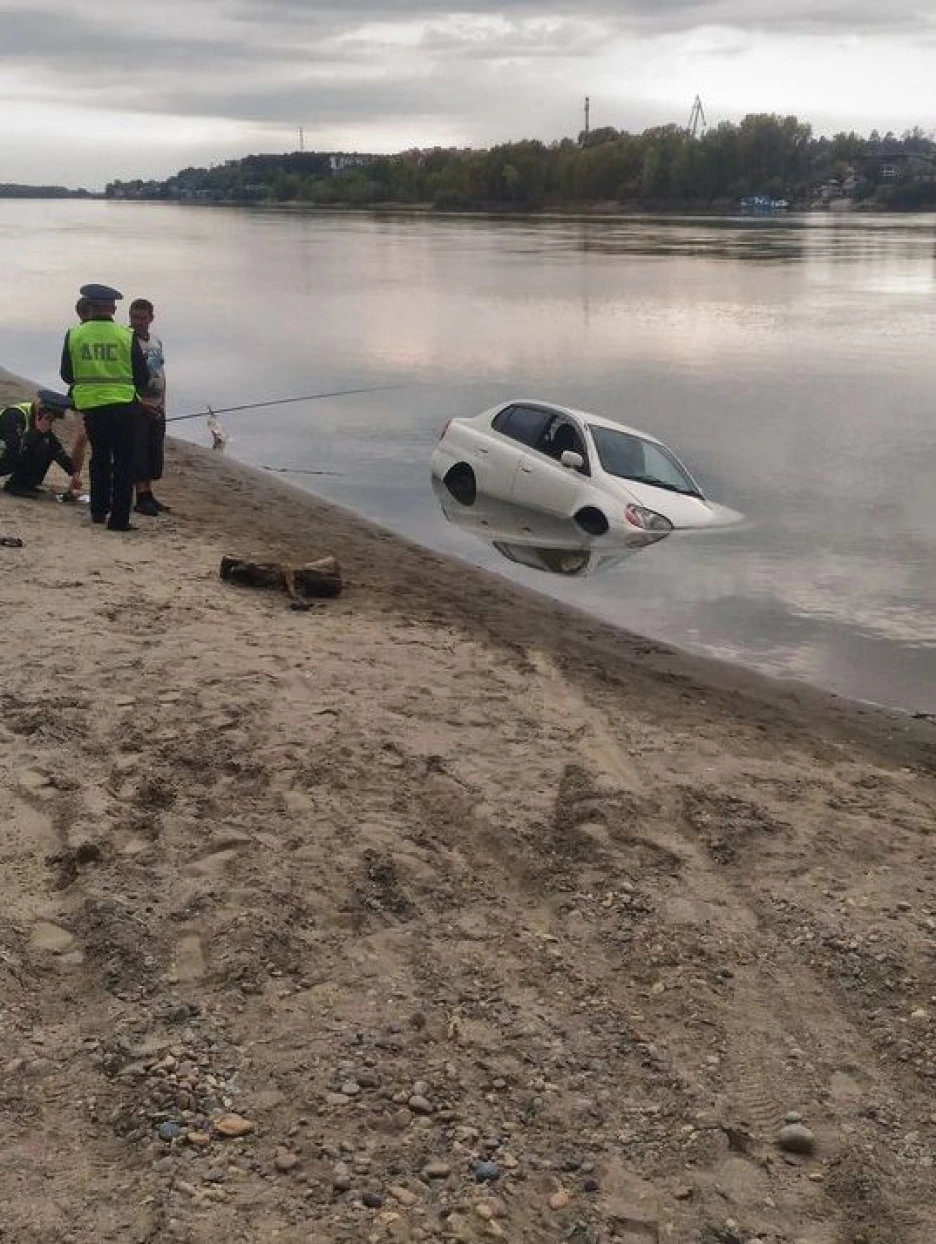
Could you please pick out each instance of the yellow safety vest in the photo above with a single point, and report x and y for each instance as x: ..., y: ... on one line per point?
x: 101, y: 364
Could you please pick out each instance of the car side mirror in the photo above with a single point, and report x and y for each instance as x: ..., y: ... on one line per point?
x: 574, y: 461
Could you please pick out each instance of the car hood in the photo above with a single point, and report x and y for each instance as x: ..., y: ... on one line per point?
x: 686, y: 513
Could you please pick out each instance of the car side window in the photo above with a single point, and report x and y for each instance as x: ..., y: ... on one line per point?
x: 522, y: 423
x: 559, y: 436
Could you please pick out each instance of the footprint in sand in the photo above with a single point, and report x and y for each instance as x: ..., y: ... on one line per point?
x: 217, y: 858
x: 189, y: 959
x: 54, y: 939
x: 34, y: 782
x: 135, y: 846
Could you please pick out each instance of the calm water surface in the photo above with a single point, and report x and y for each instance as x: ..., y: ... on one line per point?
x: 791, y: 362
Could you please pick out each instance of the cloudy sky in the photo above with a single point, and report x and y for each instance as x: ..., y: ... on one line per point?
x: 141, y: 88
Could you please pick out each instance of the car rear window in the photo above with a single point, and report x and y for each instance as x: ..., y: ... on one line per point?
x: 522, y: 423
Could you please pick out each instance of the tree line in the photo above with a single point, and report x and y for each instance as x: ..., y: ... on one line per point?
x: 664, y: 167
x: 18, y: 190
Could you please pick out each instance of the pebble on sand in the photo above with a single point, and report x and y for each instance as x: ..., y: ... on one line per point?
x: 795, y: 1138
x: 486, y: 1172
x: 436, y: 1170
x: 233, y: 1125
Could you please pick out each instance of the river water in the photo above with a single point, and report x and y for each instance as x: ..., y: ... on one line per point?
x: 790, y: 362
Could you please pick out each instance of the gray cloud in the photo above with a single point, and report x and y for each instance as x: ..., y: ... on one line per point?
x: 262, y: 36
x: 793, y: 16
x: 78, y: 46
x: 475, y: 71
x: 293, y: 63
x: 263, y: 59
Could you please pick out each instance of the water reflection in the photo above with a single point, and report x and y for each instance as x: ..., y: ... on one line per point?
x: 766, y: 240
x: 825, y: 239
x: 528, y: 537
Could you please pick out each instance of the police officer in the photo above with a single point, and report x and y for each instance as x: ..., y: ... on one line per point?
x: 28, y: 446
x: 103, y: 365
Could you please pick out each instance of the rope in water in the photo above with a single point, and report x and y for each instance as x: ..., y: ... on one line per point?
x: 282, y: 401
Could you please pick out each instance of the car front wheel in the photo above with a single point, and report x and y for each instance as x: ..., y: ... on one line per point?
x: 592, y: 521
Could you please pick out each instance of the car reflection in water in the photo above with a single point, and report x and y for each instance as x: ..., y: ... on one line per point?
x: 528, y: 537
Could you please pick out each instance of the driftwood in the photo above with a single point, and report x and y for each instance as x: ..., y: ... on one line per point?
x: 318, y: 578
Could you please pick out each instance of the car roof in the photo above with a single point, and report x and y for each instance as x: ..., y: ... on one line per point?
x: 574, y: 413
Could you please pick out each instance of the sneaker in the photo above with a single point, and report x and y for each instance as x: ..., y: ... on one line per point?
x: 163, y: 509
x: 21, y: 490
x: 120, y: 527
x: 147, y: 506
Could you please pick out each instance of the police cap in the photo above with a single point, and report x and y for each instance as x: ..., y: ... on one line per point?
x: 55, y: 403
x: 100, y: 293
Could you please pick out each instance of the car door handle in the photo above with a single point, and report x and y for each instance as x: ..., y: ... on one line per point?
x: 527, y: 470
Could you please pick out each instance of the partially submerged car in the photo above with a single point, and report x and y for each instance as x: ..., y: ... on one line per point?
x: 607, y: 479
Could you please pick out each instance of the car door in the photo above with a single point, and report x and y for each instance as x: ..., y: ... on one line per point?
x: 516, y: 428
x: 543, y: 483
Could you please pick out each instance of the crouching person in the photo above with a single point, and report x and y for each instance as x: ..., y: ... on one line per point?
x: 28, y: 446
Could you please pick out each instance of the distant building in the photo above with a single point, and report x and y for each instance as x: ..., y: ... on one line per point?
x: 340, y: 163
x: 835, y: 190
x: 763, y: 203
x: 889, y: 163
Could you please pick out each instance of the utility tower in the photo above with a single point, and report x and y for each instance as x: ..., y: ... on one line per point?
x: 301, y: 139
x: 697, y: 123
x: 587, y: 116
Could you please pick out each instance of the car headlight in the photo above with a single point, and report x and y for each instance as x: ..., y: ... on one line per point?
x: 647, y: 520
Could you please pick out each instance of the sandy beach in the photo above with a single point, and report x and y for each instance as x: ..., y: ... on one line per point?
x: 438, y: 912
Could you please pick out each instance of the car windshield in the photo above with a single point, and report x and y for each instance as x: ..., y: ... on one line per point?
x: 631, y: 457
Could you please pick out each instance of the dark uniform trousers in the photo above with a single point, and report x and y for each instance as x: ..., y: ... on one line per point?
x: 30, y: 465
x: 112, y: 432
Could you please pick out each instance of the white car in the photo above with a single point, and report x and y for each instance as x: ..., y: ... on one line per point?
x: 608, y: 479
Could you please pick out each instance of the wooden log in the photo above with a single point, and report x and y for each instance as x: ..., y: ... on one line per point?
x: 319, y: 578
